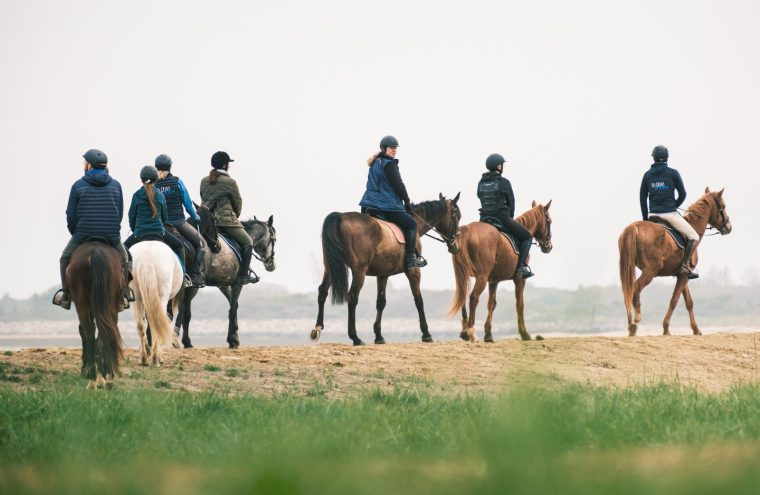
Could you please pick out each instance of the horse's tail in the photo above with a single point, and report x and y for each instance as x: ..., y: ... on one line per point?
x: 105, y: 296
x: 627, y: 248
x: 462, y: 270
x: 335, y: 257
x: 150, y: 294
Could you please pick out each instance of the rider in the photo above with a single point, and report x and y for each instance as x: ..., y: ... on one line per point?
x: 386, y: 193
x: 498, y: 201
x: 220, y: 194
x: 147, y: 216
x: 659, y: 185
x: 176, y: 196
x: 95, y: 209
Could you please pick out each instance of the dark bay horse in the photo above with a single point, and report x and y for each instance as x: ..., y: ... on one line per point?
x: 487, y: 255
x: 360, y: 243
x: 649, y: 247
x: 222, y: 272
x: 96, y: 284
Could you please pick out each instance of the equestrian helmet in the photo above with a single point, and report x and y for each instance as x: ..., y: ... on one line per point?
x: 660, y: 153
x: 149, y: 173
x: 163, y: 162
x: 95, y: 157
x: 388, y: 141
x: 493, y: 161
x: 220, y: 159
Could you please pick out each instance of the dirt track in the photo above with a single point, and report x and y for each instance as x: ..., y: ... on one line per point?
x: 712, y: 363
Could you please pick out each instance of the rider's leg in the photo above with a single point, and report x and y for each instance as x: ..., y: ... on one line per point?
x: 239, y: 235
x: 692, y: 239
x: 409, y: 228
x: 524, y: 240
x: 61, y: 298
x: 197, y: 270
x: 179, y: 249
x: 126, y: 266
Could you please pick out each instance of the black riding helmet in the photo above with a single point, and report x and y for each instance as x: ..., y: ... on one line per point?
x: 95, y: 157
x: 388, y: 142
x: 220, y: 159
x: 149, y: 173
x: 163, y: 162
x: 493, y: 161
x: 660, y: 153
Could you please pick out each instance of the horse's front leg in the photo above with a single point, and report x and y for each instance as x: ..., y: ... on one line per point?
x: 382, y: 282
x: 480, y: 285
x: 680, y: 284
x: 357, y: 281
x: 414, y: 277
x: 232, y: 329
x: 520, y: 307
x: 184, y: 316
x: 690, y: 307
x: 491, y: 307
x: 324, y: 288
x: 465, y: 322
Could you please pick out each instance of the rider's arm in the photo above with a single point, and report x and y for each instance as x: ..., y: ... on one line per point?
x: 163, y: 212
x: 678, y: 183
x: 132, y: 214
x: 394, y: 177
x: 643, y: 195
x: 510, y: 197
x: 186, y: 201
x: 71, y: 210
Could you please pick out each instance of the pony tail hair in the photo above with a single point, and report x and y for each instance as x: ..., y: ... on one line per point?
x: 372, y: 159
x: 150, y: 190
x: 213, y: 176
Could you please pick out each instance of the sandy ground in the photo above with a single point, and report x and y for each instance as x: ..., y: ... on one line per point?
x: 711, y: 363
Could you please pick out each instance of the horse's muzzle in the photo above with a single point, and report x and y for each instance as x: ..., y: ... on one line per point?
x: 546, y: 248
x: 453, y: 247
x: 269, y: 266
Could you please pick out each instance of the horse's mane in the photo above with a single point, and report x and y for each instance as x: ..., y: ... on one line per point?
x: 529, y: 216
x: 431, y: 209
x: 701, y: 207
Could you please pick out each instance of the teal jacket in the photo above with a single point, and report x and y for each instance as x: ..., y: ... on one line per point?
x: 141, y: 219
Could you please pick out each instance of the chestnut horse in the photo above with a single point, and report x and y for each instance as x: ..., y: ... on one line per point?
x: 649, y: 247
x: 358, y: 242
x: 489, y: 257
x: 95, y: 280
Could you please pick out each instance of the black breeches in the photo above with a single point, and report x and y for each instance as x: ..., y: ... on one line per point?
x: 401, y: 218
x: 521, y: 234
x: 167, y: 237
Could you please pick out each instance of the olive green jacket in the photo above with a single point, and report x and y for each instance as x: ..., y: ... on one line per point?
x: 223, y: 199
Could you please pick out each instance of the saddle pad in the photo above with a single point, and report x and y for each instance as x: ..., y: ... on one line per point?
x: 394, y: 229
x: 233, y: 245
x: 511, y: 241
x: 677, y: 236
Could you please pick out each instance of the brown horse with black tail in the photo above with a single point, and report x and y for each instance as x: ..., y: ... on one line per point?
x: 360, y: 243
x: 648, y: 246
x: 489, y: 257
x: 96, y: 284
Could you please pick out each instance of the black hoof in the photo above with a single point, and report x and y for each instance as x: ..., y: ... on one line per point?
x: 427, y: 338
x: 538, y: 337
x: 187, y: 345
x: 464, y: 336
x: 359, y: 342
x: 380, y: 341
x: 234, y: 345
x: 488, y: 339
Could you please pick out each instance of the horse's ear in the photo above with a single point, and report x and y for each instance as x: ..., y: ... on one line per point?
x: 533, y: 204
x: 720, y: 193
x: 547, y: 205
x: 271, y: 220
x: 456, y: 198
x: 255, y: 219
x: 441, y: 197
x: 707, y: 190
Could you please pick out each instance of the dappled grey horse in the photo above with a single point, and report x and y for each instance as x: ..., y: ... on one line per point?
x: 222, y: 271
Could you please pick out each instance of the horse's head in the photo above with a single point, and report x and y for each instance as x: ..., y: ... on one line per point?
x: 718, y: 215
x: 543, y: 228
x: 264, y: 237
x: 448, y: 225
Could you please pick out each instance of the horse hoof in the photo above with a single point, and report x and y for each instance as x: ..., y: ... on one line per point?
x: 380, y: 341
x: 464, y: 336
x: 525, y: 337
x: 234, y: 345
x: 427, y: 338
x: 91, y: 385
x: 188, y: 344
x: 315, y: 334
x: 538, y: 337
x: 358, y: 342
x: 488, y: 339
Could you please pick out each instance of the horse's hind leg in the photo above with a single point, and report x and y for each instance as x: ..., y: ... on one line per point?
x: 463, y: 333
x: 690, y: 307
x: 414, y: 277
x: 324, y: 288
x: 491, y: 307
x: 357, y: 281
x: 680, y: 284
x: 382, y: 282
x: 644, y: 279
x: 141, y: 330
x: 520, y: 307
x: 232, y: 329
x: 480, y: 285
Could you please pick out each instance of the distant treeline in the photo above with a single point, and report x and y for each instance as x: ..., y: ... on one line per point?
x: 585, y: 309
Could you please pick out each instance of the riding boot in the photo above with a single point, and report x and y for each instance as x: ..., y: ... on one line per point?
x: 523, y: 270
x: 61, y: 298
x: 244, y: 276
x: 686, y: 263
x: 128, y: 294
x: 411, y: 258
x: 196, y: 271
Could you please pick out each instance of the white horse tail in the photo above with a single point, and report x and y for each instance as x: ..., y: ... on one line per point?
x: 155, y: 311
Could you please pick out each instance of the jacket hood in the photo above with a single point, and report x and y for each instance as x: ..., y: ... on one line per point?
x: 490, y: 175
x: 97, y: 178
x: 658, y: 166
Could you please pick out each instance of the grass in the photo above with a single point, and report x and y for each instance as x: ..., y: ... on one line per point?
x: 660, y: 439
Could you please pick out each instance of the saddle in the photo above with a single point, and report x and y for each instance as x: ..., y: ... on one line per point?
x: 498, y: 225
x: 394, y: 229
x: 676, y: 235
x: 100, y: 239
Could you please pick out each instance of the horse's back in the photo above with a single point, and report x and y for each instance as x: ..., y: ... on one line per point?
x: 164, y: 263
x: 488, y: 250
x: 653, y: 247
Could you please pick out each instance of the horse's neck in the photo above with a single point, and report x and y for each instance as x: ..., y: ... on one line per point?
x: 698, y: 222
x: 426, y: 224
x: 529, y: 220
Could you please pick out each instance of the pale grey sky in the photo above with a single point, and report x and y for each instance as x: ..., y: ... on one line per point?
x: 574, y: 94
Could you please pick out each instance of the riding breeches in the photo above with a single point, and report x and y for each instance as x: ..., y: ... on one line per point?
x: 190, y: 233
x: 512, y: 226
x: 238, y: 234
x: 401, y: 218
x: 679, y: 223
x: 167, y: 237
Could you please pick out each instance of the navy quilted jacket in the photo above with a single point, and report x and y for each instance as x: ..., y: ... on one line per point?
x: 96, y: 207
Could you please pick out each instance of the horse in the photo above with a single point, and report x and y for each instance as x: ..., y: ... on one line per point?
x: 647, y: 245
x: 222, y: 269
x: 489, y: 257
x: 360, y: 243
x: 96, y: 283
x: 157, y: 284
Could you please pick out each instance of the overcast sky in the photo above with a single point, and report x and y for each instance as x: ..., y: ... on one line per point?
x: 573, y: 94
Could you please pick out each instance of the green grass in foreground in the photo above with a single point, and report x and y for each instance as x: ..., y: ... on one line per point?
x: 653, y: 440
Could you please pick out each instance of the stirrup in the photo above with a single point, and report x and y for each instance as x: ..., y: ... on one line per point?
x: 415, y: 262
x: 61, y: 299
x: 198, y: 281
x: 186, y: 282
x: 129, y: 296
x: 690, y: 273
x: 524, y: 272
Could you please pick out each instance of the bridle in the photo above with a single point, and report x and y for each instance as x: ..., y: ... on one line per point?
x: 723, y: 220
x: 267, y: 260
x: 450, y: 241
x: 547, y: 234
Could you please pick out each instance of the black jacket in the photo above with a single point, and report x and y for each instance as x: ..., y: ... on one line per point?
x: 495, y: 194
x: 659, y: 185
x: 95, y: 207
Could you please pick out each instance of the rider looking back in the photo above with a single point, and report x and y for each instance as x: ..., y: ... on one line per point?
x: 176, y: 196
x: 95, y: 209
x: 659, y: 185
x: 387, y: 194
x: 498, y: 201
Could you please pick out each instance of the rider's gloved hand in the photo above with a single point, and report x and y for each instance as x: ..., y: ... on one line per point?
x: 408, y: 207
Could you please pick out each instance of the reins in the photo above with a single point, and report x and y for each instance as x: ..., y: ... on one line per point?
x: 449, y: 241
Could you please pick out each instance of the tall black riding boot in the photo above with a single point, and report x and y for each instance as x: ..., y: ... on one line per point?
x: 244, y: 276
x: 197, y: 270
x: 411, y: 259
x: 61, y: 298
x: 686, y: 263
x: 128, y: 295
x: 523, y: 270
